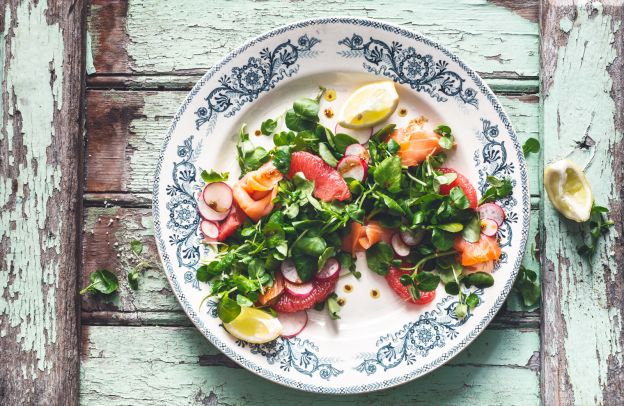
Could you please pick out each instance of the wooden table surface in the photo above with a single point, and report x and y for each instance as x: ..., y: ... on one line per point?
x: 88, y: 90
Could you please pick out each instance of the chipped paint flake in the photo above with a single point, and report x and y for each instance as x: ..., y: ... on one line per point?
x: 28, y: 278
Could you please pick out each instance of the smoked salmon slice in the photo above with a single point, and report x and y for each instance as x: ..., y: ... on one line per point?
x: 255, y: 192
x: 484, y: 250
x: 415, y: 144
x: 362, y: 237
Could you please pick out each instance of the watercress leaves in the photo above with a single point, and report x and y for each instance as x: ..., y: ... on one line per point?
x: 327, y: 156
x: 228, y: 309
x: 531, y: 145
x: 249, y: 156
x: 388, y: 174
x: 472, y: 229
x: 598, y: 225
x: 342, y: 141
x: 136, y: 247
x: 479, y: 279
x: 333, y: 307
x: 379, y: 258
x: 499, y: 188
x: 303, y: 115
x: 268, y: 126
x: 212, y: 176
x: 101, y: 281
x: 528, y: 287
x: 446, y: 140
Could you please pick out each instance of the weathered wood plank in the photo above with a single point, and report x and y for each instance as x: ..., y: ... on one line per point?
x: 186, y: 82
x: 107, y: 235
x: 41, y: 71
x: 180, y: 367
x: 125, y: 130
x: 582, y: 336
x: 141, y: 36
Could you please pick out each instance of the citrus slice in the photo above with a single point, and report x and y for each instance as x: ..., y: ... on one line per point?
x: 568, y: 190
x: 369, y: 105
x: 254, y: 326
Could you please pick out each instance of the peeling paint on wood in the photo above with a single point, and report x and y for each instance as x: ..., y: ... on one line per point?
x: 40, y: 149
x: 142, y: 36
x: 582, y: 321
x: 180, y: 367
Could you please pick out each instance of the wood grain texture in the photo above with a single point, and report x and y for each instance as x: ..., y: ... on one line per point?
x: 582, y: 336
x: 107, y: 235
x: 142, y: 36
x: 125, y: 130
x: 178, y: 366
x: 42, y: 75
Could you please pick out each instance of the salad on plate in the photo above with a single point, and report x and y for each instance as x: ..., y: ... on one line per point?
x: 283, y: 234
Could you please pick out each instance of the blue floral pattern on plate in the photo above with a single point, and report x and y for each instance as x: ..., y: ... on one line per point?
x: 259, y: 74
x: 416, y: 339
x: 406, y: 66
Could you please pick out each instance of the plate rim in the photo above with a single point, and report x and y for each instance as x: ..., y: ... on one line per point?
x: 383, y: 383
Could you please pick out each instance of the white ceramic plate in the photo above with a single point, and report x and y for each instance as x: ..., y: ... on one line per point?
x: 378, y: 343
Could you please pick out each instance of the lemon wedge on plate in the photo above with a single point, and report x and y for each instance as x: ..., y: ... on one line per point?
x: 369, y: 105
x: 568, y: 190
x: 254, y: 326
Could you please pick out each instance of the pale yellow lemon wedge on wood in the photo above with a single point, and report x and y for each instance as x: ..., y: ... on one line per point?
x: 568, y: 190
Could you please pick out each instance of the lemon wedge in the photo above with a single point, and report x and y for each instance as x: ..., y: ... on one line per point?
x: 254, y: 326
x: 369, y: 105
x: 569, y: 190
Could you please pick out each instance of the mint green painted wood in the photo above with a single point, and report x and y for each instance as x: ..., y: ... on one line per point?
x: 40, y: 150
x: 157, y: 366
x: 195, y: 34
x: 582, y: 309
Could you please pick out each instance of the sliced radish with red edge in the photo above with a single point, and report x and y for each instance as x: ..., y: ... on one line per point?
x: 489, y: 227
x: 210, y: 229
x: 209, y: 214
x: 399, y: 246
x: 218, y: 196
x: 330, y: 270
x: 299, y: 290
x: 412, y: 238
x: 352, y: 167
x: 359, y: 151
x: 293, y: 323
x: 289, y: 271
x: 492, y: 211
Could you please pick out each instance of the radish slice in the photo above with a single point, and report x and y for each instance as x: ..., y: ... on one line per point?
x: 289, y: 271
x: 329, y: 270
x: 359, y: 151
x: 492, y: 211
x: 218, y: 196
x: 209, y: 229
x: 292, y: 323
x: 209, y: 214
x: 353, y: 167
x: 362, y: 135
x: 302, y: 290
x: 489, y: 227
x: 399, y: 245
x: 412, y: 238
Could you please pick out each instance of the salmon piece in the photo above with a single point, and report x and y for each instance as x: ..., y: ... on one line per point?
x: 274, y: 291
x: 362, y: 237
x: 263, y: 179
x: 255, y: 191
x: 484, y: 250
x: 415, y: 144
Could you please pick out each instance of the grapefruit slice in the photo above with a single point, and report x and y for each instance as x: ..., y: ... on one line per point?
x: 328, y: 184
